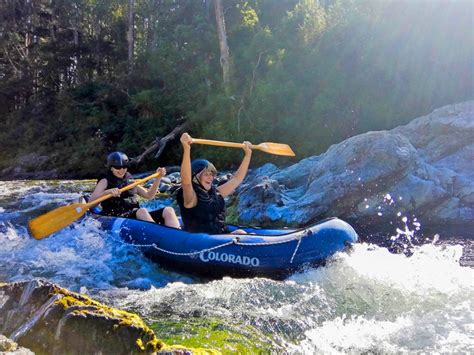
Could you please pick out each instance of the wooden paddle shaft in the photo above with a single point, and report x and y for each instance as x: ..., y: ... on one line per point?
x: 267, y: 147
x: 61, y: 217
x: 222, y: 143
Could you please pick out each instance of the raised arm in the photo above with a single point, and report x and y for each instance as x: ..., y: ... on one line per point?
x: 151, y: 192
x: 239, y: 176
x: 189, y: 196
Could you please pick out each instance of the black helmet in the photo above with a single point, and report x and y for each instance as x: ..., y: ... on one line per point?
x: 117, y: 159
x: 199, y: 165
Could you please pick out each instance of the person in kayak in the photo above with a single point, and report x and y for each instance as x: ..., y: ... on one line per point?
x: 125, y: 204
x: 201, y: 203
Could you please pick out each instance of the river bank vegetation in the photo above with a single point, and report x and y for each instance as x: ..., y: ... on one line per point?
x: 81, y: 78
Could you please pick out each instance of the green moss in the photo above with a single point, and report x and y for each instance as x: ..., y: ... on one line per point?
x: 124, y: 318
x: 147, y: 341
x: 179, y: 349
x: 214, y: 334
x: 232, y: 216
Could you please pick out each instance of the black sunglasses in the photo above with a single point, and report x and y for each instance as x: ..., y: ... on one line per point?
x: 120, y: 167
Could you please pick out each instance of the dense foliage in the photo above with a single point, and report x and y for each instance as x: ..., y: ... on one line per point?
x: 304, y: 72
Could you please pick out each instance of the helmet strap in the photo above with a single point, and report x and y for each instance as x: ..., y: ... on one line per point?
x: 197, y: 181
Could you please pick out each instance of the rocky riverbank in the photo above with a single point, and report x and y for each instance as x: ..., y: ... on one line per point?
x: 423, y: 172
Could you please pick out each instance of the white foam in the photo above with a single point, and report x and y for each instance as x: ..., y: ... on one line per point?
x: 367, y: 301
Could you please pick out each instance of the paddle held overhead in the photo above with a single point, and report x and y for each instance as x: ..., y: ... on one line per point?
x: 267, y: 147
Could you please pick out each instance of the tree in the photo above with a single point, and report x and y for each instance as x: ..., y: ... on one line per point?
x: 225, y: 59
x: 94, y: 76
x: 130, y: 35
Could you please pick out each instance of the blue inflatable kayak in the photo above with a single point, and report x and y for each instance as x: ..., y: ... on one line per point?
x: 263, y: 252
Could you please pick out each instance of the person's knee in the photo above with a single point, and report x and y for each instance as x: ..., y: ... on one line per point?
x: 142, y: 213
x: 141, y: 210
x: 168, y: 212
x: 239, y: 231
x: 171, y: 220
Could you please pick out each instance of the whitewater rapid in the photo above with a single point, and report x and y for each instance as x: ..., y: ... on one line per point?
x: 368, y: 300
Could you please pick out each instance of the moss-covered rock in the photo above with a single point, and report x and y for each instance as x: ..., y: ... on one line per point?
x: 49, y: 319
x: 8, y: 346
x: 215, y: 333
x: 52, y: 320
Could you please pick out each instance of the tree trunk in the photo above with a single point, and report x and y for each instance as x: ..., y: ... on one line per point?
x: 225, y: 56
x: 75, y: 24
x: 130, y: 36
x: 29, y: 26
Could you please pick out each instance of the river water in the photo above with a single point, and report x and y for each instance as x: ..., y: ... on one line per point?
x: 368, y: 300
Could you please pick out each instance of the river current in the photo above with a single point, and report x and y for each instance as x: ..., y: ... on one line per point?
x: 367, y: 300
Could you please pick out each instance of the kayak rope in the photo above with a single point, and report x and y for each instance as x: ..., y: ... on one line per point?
x: 294, y: 253
x: 235, y: 241
x: 298, y: 237
x: 196, y: 252
x: 180, y: 254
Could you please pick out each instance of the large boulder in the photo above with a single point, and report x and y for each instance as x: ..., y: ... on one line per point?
x: 424, y: 169
x: 48, y: 319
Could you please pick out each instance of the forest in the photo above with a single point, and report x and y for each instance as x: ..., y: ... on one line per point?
x: 82, y: 78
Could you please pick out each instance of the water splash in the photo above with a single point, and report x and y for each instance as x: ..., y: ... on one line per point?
x: 408, y: 230
x: 81, y: 256
x: 368, y: 301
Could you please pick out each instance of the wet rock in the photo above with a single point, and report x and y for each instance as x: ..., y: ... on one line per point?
x: 165, y: 180
x: 165, y: 187
x: 424, y: 168
x: 170, y: 183
x: 48, y: 319
x: 8, y: 346
x: 29, y: 166
x: 175, y: 177
x: 259, y: 197
x: 223, y: 178
x: 51, y: 320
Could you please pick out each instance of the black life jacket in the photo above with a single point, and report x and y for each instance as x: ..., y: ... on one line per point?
x: 208, y: 216
x: 126, y: 202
